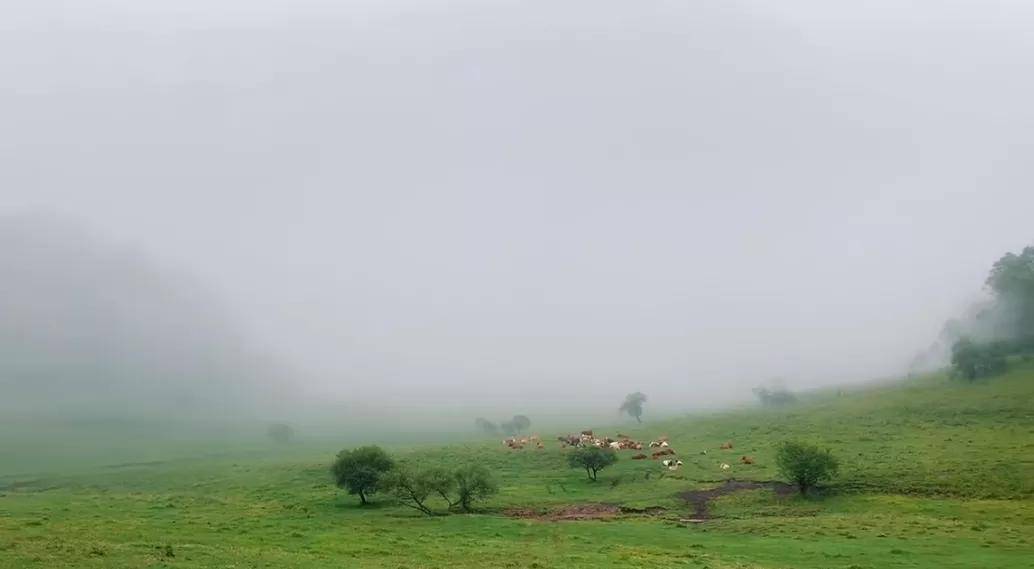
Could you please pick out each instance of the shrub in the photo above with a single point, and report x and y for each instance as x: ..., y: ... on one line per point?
x: 360, y: 470
x: 474, y: 483
x: 410, y: 488
x: 973, y: 360
x: 592, y: 459
x: 280, y: 433
x: 805, y: 465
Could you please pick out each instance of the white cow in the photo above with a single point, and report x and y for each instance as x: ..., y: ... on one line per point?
x: 725, y: 466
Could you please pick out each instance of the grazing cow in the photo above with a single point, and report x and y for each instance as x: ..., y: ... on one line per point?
x: 727, y: 446
x: 615, y: 445
x: 725, y: 466
x: 664, y: 444
x: 655, y: 444
x: 747, y: 459
x: 587, y: 433
x: 640, y: 456
x: 672, y: 464
x: 703, y: 452
x: 665, y: 452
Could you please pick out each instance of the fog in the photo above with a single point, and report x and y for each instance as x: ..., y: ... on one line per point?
x: 497, y: 206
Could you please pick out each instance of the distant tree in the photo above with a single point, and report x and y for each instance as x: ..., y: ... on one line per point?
x: 486, y: 426
x: 280, y: 433
x: 805, y: 465
x: 592, y: 459
x: 633, y: 405
x: 1012, y: 282
x: 508, y: 428
x: 774, y: 397
x: 521, y: 423
x: 360, y: 470
x: 410, y: 488
x: 474, y: 483
x: 972, y: 360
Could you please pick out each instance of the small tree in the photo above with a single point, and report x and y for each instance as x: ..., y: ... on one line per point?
x: 360, y: 470
x: 805, y: 465
x: 486, y: 426
x: 474, y: 483
x: 521, y: 423
x: 774, y: 397
x: 409, y: 488
x: 633, y: 405
x: 972, y: 360
x: 592, y: 459
x: 280, y: 433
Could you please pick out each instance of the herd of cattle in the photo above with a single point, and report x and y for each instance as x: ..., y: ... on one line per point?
x: 620, y: 442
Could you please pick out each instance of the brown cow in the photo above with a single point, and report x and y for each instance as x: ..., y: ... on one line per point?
x: 727, y: 446
x: 661, y: 453
x: 747, y: 459
x: 587, y: 433
x: 639, y: 456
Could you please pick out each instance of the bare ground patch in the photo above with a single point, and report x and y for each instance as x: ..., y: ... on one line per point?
x: 571, y: 512
x: 700, y: 499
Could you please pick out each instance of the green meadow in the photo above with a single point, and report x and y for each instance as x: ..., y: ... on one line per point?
x: 935, y: 472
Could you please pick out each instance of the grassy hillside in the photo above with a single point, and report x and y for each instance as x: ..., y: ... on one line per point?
x: 935, y: 473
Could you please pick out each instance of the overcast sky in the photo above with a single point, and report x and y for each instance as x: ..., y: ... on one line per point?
x: 503, y: 200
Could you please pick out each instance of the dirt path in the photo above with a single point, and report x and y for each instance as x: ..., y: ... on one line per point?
x: 699, y: 499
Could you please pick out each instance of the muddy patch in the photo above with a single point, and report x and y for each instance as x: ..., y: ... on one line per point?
x: 700, y: 499
x: 572, y: 512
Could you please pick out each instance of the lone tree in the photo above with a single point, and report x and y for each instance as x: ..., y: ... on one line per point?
x: 474, y: 483
x: 280, y: 433
x: 633, y: 405
x: 805, y: 465
x: 592, y: 459
x: 360, y: 470
x: 775, y: 396
x: 486, y: 426
x: 520, y: 423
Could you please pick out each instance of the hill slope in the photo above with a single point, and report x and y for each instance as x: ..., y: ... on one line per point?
x: 936, y: 473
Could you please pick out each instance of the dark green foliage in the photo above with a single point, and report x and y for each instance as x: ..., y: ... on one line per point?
x: 521, y: 423
x: 280, y: 433
x: 474, y: 483
x: 633, y: 405
x: 411, y: 487
x: 360, y: 470
x: 805, y: 465
x: 774, y: 397
x: 592, y: 459
x: 485, y: 426
x: 973, y: 360
x: 1012, y: 281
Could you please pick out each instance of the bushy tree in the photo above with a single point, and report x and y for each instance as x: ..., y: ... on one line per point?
x: 521, y: 423
x: 360, y: 470
x: 774, y: 397
x: 973, y: 360
x: 409, y: 487
x: 633, y: 405
x: 486, y: 426
x: 1012, y: 282
x: 805, y: 465
x: 474, y: 483
x: 280, y: 433
x: 592, y: 459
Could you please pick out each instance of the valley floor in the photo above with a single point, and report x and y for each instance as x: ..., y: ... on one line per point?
x: 936, y: 473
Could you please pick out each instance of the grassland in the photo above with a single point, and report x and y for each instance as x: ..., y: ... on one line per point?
x: 935, y: 473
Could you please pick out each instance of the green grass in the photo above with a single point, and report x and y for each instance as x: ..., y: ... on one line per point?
x: 935, y: 473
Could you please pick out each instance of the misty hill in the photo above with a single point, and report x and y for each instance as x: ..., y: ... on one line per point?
x: 94, y: 329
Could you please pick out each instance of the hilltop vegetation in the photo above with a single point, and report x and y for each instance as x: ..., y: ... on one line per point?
x: 934, y: 472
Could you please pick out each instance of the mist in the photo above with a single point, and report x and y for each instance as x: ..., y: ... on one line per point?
x: 400, y: 209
